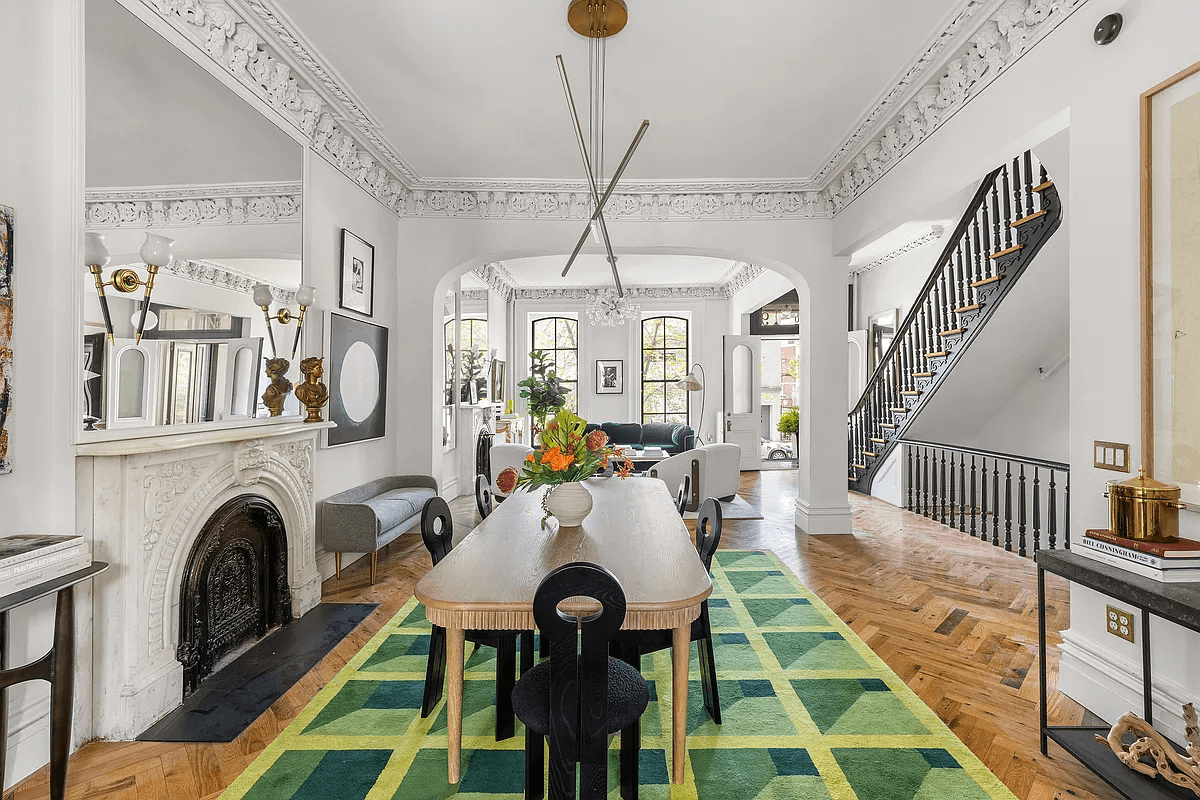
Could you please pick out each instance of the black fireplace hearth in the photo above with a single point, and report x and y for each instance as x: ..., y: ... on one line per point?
x: 234, y: 586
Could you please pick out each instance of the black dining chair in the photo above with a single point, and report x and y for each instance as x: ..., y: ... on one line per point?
x: 483, y: 495
x: 632, y: 645
x: 437, y: 529
x: 581, y: 695
x: 685, y: 491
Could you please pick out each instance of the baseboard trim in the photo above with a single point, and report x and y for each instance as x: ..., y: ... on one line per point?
x: 1108, y: 685
x: 819, y: 520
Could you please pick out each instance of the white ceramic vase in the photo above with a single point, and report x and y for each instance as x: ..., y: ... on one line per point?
x: 569, y: 503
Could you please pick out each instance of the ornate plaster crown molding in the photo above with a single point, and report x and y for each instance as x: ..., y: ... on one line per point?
x: 223, y: 277
x: 168, y: 206
x: 500, y: 280
x: 934, y: 233
x: 738, y: 277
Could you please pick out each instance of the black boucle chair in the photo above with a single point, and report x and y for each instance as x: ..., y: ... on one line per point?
x: 581, y: 695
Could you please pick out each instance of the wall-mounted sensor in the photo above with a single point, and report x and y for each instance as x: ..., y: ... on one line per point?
x: 1107, y: 29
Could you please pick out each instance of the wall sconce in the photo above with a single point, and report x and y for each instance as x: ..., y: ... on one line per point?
x: 306, y: 296
x: 155, y: 252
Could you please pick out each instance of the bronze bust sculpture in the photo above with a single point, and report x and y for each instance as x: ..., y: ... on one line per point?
x: 279, y: 387
x: 312, y: 392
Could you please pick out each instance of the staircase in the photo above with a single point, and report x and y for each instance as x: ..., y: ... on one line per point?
x: 1015, y: 210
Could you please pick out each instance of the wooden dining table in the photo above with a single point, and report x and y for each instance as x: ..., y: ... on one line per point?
x: 488, y: 580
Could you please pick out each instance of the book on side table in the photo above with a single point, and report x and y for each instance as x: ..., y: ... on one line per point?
x: 27, y: 559
x: 1169, y: 562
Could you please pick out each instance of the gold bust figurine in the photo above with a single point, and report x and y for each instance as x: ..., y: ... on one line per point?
x: 312, y: 392
x: 280, y: 386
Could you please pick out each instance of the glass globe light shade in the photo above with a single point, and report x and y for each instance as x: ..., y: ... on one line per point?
x: 156, y: 251
x: 94, y: 251
x: 151, y: 320
x: 306, y: 295
x: 262, y: 295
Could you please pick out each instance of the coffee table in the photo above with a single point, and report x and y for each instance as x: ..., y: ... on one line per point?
x: 488, y: 580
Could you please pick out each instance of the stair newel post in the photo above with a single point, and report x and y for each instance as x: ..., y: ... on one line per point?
x: 962, y: 492
x: 995, y: 502
x: 974, y: 508
x: 909, y: 493
x: 1016, y: 188
x: 1008, y: 506
x: 1008, y: 218
x: 952, y: 494
x: 1037, y: 509
x: 942, y: 488
x: 1021, y: 512
x: 1052, y: 508
x: 1027, y: 180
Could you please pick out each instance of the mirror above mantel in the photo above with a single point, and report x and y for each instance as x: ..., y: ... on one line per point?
x: 172, y: 152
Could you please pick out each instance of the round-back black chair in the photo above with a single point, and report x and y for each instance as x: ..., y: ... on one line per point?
x: 437, y: 530
x: 685, y: 491
x: 632, y: 645
x: 483, y: 495
x: 581, y: 695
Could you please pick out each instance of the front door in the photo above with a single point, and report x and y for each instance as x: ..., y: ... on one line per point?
x: 743, y: 397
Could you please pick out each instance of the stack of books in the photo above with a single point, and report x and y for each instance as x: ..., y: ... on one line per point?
x: 1169, y: 562
x: 27, y: 559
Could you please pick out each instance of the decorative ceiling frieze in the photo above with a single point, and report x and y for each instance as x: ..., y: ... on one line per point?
x: 501, y: 281
x: 256, y: 42
x: 168, y: 206
x: 223, y: 277
x: 932, y: 235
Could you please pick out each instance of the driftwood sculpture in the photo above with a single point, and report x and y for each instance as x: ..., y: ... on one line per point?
x: 1180, y: 770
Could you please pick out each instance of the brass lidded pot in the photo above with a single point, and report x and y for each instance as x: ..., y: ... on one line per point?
x: 1145, y: 509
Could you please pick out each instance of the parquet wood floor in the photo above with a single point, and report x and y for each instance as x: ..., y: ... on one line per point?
x: 954, y: 617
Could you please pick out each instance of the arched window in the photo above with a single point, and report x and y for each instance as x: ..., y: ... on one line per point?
x: 664, y: 361
x: 559, y: 338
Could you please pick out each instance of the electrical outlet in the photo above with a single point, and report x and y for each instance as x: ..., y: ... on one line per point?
x: 1119, y: 623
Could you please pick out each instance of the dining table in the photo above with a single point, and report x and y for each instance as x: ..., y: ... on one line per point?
x: 488, y: 580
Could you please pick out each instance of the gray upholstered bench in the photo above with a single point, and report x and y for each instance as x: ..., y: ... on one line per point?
x: 366, y: 518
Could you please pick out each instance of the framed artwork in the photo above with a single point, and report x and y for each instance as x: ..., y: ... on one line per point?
x: 497, y: 380
x: 1170, y: 281
x: 356, y: 366
x: 610, y: 376
x: 881, y: 330
x: 358, y: 274
x: 6, y: 331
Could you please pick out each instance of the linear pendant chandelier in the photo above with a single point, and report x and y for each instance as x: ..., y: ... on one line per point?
x: 597, y: 20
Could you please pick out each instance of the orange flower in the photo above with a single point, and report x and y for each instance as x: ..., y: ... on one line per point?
x: 530, y: 458
x: 625, y: 468
x: 557, y: 459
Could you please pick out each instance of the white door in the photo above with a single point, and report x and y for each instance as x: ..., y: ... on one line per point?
x: 743, y: 396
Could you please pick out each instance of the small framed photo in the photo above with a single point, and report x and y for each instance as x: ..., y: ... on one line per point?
x: 497, y: 381
x: 610, y: 376
x: 358, y: 274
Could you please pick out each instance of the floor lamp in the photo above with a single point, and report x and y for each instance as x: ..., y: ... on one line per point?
x: 695, y: 383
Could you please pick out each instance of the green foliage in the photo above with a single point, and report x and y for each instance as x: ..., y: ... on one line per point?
x: 543, y: 389
x: 789, y: 422
x: 564, y: 454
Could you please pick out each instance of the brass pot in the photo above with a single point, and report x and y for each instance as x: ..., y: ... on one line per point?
x: 1145, y: 509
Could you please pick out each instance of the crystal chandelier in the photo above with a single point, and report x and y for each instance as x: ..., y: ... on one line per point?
x: 610, y: 309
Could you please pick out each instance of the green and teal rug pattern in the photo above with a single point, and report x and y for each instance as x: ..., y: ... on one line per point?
x: 810, y: 713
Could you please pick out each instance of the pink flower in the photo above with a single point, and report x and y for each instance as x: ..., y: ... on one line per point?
x: 596, y: 440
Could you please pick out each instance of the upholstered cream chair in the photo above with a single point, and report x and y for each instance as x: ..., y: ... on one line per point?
x: 714, y: 470
x: 506, y: 455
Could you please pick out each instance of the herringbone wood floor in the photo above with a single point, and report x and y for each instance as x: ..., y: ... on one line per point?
x: 954, y: 617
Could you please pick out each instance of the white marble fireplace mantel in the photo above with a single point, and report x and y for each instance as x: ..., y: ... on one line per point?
x: 144, y: 500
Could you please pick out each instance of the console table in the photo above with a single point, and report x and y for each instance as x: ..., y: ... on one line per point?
x: 1177, y: 602
x: 57, y: 667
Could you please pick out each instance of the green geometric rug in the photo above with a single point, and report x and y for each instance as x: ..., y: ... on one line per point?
x: 809, y: 712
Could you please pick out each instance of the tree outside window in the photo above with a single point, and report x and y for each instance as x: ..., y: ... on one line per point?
x: 559, y: 338
x: 664, y: 361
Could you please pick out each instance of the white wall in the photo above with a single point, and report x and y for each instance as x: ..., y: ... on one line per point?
x: 1068, y: 80
x: 1034, y: 421
x: 41, y: 178
x: 896, y: 283
x: 332, y: 202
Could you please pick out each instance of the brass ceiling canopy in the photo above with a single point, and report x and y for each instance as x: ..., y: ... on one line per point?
x: 597, y: 19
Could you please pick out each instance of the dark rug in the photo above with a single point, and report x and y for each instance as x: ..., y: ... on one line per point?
x: 227, y: 702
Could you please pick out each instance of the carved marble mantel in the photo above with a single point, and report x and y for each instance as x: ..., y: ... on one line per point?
x: 145, y: 501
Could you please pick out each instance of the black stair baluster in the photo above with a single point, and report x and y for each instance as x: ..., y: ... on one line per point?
x: 1008, y: 218
x: 1067, y: 512
x: 1021, y: 512
x: 931, y: 325
x: 983, y: 476
x: 962, y: 493
x: 974, y: 509
x: 996, y: 245
x: 925, y: 482
x: 908, y: 498
x: 1008, y: 506
x: 995, y: 502
x: 947, y: 283
x: 985, y: 229
x: 1016, y: 188
x: 1027, y: 181
x: 1052, y: 509
x: 976, y: 248
x: 942, y: 489
x: 961, y: 280
x: 951, y: 489
x: 1037, y: 509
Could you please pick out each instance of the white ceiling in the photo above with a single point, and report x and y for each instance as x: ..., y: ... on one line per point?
x: 758, y: 89
x: 155, y: 118
x: 636, y: 270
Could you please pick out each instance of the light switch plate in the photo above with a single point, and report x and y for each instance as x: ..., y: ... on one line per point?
x: 1119, y: 623
x: 1111, y: 455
